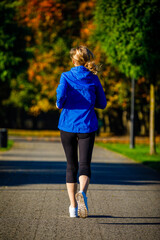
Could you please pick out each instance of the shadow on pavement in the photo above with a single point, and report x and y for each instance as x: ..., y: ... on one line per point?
x: 107, y: 216
x: 15, y: 173
x: 154, y: 165
x: 132, y: 223
x: 127, y: 218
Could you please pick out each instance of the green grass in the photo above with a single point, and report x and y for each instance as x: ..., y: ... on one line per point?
x: 140, y: 153
x: 10, y: 144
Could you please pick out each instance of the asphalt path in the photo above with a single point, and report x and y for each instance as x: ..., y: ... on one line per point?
x: 123, y: 196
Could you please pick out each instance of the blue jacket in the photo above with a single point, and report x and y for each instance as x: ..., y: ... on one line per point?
x: 78, y: 93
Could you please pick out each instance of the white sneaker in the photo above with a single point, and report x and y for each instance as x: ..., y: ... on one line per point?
x: 82, y: 204
x: 73, y: 211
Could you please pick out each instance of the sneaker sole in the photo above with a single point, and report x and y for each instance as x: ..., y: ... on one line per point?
x: 82, y: 210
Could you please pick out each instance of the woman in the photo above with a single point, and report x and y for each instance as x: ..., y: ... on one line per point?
x: 78, y: 93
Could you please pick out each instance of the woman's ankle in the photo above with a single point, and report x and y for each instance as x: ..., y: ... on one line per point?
x: 73, y: 205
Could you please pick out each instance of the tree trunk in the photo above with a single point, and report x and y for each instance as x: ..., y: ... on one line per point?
x: 152, y: 120
x: 132, y: 135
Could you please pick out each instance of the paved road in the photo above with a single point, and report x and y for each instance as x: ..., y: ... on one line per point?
x: 123, y: 197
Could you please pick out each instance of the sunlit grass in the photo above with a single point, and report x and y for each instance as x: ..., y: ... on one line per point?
x: 10, y: 144
x: 33, y: 133
x: 140, y: 153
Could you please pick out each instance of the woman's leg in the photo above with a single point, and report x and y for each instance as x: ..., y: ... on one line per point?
x: 84, y: 183
x: 69, y: 142
x: 86, y: 143
x: 72, y: 190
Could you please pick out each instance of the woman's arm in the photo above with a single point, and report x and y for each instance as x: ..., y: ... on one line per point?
x: 101, y: 101
x: 61, y: 92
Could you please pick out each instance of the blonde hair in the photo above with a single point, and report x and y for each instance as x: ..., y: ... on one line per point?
x: 83, y: 56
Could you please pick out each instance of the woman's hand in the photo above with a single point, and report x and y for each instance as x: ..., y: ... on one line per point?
x: 57, y: 106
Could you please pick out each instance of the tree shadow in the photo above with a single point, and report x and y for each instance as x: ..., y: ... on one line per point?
x: 127, y: 218
x: 155, y: 165
x: 123, y: 174
x: 147, y: 223
x: 116, y: 217
x: 15, y: 173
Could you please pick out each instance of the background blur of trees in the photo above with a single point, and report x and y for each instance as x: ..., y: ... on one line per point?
x: 129, y: 36
x: 35, y: 39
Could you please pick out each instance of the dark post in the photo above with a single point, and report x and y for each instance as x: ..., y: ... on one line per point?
x: 132, y: 141
x: 3, y: 138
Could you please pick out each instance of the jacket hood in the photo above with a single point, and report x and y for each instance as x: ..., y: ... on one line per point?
x: 81, y: 73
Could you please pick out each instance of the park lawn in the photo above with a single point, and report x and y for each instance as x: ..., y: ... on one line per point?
x: 10, y: 144
x: 140, y: 153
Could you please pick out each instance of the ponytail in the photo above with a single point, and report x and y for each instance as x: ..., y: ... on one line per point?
x: 83, y: 56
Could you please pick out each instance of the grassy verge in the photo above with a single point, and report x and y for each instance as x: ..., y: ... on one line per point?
x: 10, y: 144
x: 41, y: 133
x: 33, y: 133
x: 139, y: 154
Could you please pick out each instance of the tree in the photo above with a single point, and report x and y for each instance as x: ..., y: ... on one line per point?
x: 114, y: 82
x: 54, y: 26
x: 129, y: 34
x: 13, y: 54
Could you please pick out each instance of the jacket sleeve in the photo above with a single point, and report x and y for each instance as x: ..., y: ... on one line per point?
x: 61, y: 92
x: 101, y: 101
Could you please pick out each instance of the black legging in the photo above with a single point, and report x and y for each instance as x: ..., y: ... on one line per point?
x: 70, y: 142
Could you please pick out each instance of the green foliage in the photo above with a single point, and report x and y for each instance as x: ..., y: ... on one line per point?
x: 36, y: 36
x: 128, y: 33
x: 13, y: 56
x: 10, y: 144
x: 53, y: 26
x: 22, y: 94
x: 12, y: 44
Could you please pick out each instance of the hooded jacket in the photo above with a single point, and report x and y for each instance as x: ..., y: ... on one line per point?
x: 78, y: 93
